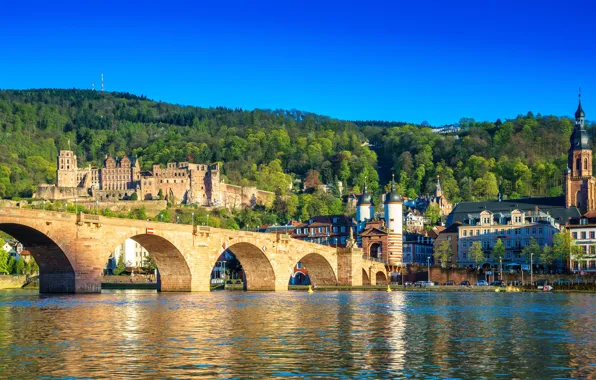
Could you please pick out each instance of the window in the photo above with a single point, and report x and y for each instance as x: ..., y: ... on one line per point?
x: 334, y: 228
x: 464, y: 244
x: 575, y: 235
x: 343, y: 228
x: 508, y: 243
x: 465, y: 232
x: 592, y: 234
x: 533, y: 231
x: 477, y: 232
x: 540, y: 231
x: 583, y: 234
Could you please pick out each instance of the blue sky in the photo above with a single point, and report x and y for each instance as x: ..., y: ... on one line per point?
x: 383, y: 60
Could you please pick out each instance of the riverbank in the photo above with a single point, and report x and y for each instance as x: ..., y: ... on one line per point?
x: 463, y: 289
x: 12, y: 282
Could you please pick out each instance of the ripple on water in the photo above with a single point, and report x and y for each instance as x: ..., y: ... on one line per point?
x: 343, y: 334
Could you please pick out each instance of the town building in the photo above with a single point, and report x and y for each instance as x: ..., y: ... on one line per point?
x: 415, y: 221
x: 133, y: 254
x: 583, y: 231
x: 418, y: 248
x: 332, y: 230
x: 120, y: 178
x: 451, y: 235
x: 13, y: 248
x: 515, y: 228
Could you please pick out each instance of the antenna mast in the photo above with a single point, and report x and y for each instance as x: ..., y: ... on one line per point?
x: 101, y: 82
x: 92, y: 86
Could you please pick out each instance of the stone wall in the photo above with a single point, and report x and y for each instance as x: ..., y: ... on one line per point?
x: 152, y: 207
x: 12, y: 282
x: 441, y: 275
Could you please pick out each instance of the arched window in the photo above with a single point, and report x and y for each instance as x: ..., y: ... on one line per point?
x: 585, y: 164
x: 578, y: 164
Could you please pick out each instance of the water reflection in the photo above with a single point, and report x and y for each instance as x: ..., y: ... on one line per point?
x: 223, y: 334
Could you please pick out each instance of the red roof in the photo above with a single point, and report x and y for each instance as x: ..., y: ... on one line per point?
x: 25, y: 253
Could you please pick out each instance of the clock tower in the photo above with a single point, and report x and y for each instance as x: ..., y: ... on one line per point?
x: 580, y: 186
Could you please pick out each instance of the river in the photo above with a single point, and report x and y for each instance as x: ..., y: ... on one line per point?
x: 340, y: 334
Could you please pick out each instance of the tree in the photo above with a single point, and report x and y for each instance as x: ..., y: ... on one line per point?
x: 120, y: 266
x: 160, y: 195
x: 20, y: 267
x: 149, y: 264
x: 11, y: 266
x: 312, y: 179
x: 4, y: 258
x: 433, y: 212
x: 134, y: 196
x: 476, y: 253
x: 531, y: 251
x: 33, y: 267
x: 498, y: 251
x: 564, y: 247
x: 443, y: 253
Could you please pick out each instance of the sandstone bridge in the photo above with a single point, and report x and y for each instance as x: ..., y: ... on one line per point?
x: 72, y: 251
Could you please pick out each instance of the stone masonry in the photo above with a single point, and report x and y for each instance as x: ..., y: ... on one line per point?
x: 72, y: 250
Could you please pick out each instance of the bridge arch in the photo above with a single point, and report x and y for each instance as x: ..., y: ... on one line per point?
x: 258, y: 271
x: 56, y: 272
x: 365, y: 278
x: 381, y: 278
x: 174, y: 272
x: 319, y: 269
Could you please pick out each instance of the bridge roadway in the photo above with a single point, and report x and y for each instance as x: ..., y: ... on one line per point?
x: 72, y: 251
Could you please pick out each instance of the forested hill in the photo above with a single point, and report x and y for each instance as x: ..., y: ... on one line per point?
x: 266, y: 147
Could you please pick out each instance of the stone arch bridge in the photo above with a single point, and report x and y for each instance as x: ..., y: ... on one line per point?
x: 72, y: 250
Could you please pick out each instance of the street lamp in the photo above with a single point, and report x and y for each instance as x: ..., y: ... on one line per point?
x: 177, y: 219
x: 531, y: 269
x: 43, y: 205
x: 428, y: 266
x: 76, y: 206
x: 501, y: 261
x: 193, y: 218
x: 97, y: 206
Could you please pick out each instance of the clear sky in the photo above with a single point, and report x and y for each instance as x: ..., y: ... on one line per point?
x: 385, y: 60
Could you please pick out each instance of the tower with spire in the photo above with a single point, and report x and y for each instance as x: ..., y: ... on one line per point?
x: 365, y: 211
x: 580, y: 185
x: 444, y: 205
x: 394, y: 222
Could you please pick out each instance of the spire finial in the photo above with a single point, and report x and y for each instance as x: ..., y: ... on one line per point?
x: 392, y: 181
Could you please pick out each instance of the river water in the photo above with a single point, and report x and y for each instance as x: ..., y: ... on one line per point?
x: 340, y: 334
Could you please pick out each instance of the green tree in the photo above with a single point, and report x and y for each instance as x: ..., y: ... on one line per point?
x: 11, y: 266
x: 120, y: 266
x: 443, y: 253
x: 531, y: 251
x: 498, y: 251
x: 476, y: 253
x: 160, y: 195
x: 20, y: 267
x: 565, y: 248
x: 4, y: 261
x: 149, y: 264
x: 134, y: 196
x: 433, y: 213
x: 33, y: 265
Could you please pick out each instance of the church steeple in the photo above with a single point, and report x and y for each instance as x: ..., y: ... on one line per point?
x: 438, y: 190
x: 580, y: 114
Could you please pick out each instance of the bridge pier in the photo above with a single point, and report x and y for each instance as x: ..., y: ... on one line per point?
x: 174, y: 283
x: 57, y: 282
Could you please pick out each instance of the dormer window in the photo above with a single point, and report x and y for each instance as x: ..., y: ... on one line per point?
x: 583, y: 221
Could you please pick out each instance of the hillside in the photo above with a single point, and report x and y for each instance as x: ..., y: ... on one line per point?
x: 267, y: 147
